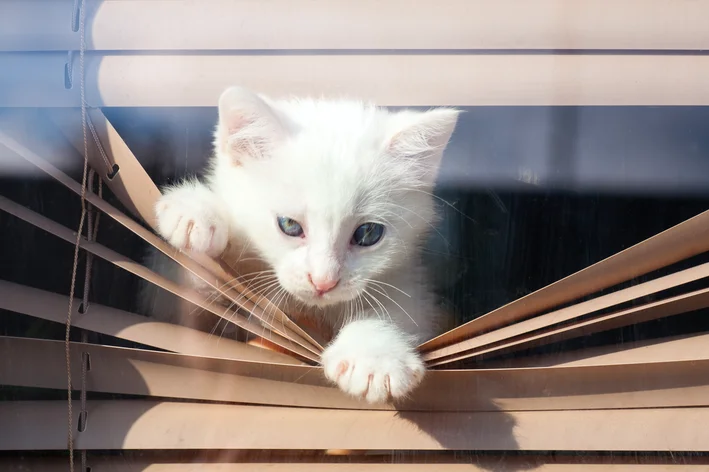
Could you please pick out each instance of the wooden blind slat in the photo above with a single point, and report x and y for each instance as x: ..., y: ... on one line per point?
x: 238, y: 461
x: 680, y: 242
x: 651, y: 311
x: 365, y: 24
x: 158, y: 374
x: 576, y: 311
x: 683, y: 347
x: 37, y: 79
x: 44, y: 141
x: 137, y: 424
x: 498, y: 463
x: 131, y: 327
x: 134, y: 268
x: 666, y: 383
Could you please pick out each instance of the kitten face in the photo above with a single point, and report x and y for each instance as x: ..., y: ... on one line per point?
x: 339, y: 192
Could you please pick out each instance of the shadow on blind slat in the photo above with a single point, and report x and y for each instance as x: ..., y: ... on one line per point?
x: 641, y: 384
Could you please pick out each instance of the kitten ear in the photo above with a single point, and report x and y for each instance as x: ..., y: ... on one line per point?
x: 248, y: 126
x: 422, y: 137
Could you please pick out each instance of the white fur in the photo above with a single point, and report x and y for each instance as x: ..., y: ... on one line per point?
x: 192, y: 217
x: 372, y: 359
x: 331, y: 165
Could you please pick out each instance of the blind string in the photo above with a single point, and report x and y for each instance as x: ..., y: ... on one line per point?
x: 82, y: 218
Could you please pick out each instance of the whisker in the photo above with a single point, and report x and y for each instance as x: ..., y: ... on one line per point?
x: 233, y: 264
x: 379, y: 282
x: 208, y: 300
x: 265, y: 286
x: 422, y: 219
x: 444, y: 201
x: 395, y: 303
x: 278, y: 303
x: 259, y: 276
x: 379, y: 303
x: 353, y: 308
x: 398, y: 216
x: 279, y: 297
x: 242, y: 277
x: 243, y: 251
x: 359, y: 306
x: 259, y: 286
x: 251, y: 259
x: 370, y: 304
x: 227, y: 321
x: 276, y: 290
x: 218, y: 291
x: 221, y: 318
x: 388, y: 224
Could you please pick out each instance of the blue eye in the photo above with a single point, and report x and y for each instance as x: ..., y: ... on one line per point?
x: 290, y: 227
x: 368, y: 234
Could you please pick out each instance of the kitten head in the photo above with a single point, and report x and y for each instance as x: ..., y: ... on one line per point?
x: 331, y: 193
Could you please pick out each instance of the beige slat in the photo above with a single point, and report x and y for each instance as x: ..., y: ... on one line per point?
x: 684, y: 347
x: 651, y: 311
x: 365, y: 24
x: 131, y: 327
x: 680, y: 242
x: 667, y: 383
x: 159, y: 374
x: 577, y: 311
x: 136, y: 424
x: 136, y: 190
x: 136, y: 269
x: 37, y: 79
x: 427, y: 462
x: 132, y: 185
x: 136, y: 186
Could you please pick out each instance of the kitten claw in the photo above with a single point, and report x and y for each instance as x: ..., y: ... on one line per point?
x: 191, y: 224
x: 382, y: 365
x: 342, y: 368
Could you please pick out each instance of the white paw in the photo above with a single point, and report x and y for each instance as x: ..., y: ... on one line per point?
x: 189, y: 221
x: 373, y: 360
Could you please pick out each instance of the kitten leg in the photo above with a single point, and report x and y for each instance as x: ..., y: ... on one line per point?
x: 192, y: 218
x: 373, y: 359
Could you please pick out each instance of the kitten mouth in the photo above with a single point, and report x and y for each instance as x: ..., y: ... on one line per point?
x: 321, y: 296
x: 320, y: 299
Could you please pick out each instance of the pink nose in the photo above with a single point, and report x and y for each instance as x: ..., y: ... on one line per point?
x: 323, y: 285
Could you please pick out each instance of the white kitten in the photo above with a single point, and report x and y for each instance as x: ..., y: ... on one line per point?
x: 327, y: 203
